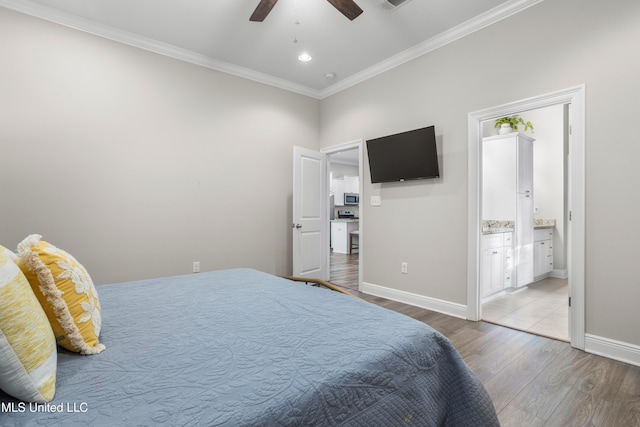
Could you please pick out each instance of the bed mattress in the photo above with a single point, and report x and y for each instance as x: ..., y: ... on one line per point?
x: 244, y: 348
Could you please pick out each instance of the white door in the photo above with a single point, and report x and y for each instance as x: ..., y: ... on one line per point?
x: 310, y: 220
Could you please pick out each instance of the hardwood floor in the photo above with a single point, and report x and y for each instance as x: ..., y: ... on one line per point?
x: 344, y: 270
x: 533, y: 380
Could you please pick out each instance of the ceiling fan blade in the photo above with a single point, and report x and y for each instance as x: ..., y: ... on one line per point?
x: 347, y: 7
x: 262, y: 10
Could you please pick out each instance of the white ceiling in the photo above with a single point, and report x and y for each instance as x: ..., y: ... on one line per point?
x: 347, y: 157
x: 219, y: 35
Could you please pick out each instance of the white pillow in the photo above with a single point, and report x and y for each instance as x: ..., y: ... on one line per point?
x: 28, y: 355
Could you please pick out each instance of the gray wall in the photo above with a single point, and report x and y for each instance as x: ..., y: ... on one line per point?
x: 139, y: 164
x: 551, y: 46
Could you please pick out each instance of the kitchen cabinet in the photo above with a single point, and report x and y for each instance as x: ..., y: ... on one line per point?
x: 340, y: 230
x: 346, y: 184
x: 338, y: 192
x: 497, y: 262
x: 543, y: 253
x: 507, y: 194
x: 352, y: 184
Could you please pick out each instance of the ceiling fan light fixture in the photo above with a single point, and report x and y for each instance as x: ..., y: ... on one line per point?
x: 304, y: 57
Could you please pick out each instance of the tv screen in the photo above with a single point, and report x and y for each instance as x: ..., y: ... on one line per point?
x: 404, y: 156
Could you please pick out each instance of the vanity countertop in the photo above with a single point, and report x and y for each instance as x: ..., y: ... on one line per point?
x: 544, y: 223
x: 498, y: 226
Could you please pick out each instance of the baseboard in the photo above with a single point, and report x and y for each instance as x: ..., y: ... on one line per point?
x: 433, y: 304
x: 617, y: 350
x: 560, y: 274
x: 606, y: 347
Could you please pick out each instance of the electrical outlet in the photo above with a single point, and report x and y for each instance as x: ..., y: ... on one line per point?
x: 196, y: 266
x: 404, y: 267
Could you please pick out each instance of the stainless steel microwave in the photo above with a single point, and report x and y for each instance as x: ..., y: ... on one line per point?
x: 351, y: 199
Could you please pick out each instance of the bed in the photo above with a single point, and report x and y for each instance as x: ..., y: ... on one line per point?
x: 244, y: 348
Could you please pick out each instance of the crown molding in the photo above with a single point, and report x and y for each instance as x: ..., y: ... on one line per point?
x: 69, y: 20
x: 135, y: 40
x: 477, y: 23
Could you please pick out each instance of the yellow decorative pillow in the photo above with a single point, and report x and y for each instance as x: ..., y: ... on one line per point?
x: 65, y: 291
x: 28, y: 355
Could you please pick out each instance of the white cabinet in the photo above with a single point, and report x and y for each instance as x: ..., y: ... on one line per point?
x: 492, y: 271
x: 507, y: 194
x: 524, y: 241
x: 543, y: 252
x: 345, y: 184
x: 497, y: 262
x: 340, y: 235
x: 338, y: 192
x: 351, y: 184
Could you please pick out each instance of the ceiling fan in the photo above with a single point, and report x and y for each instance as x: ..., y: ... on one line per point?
x: 347, y: 7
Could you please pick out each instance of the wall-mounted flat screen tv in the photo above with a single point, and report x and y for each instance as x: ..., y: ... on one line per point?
x: 404, y: 156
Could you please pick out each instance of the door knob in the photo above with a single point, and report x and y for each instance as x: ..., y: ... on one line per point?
x: 298, y: 226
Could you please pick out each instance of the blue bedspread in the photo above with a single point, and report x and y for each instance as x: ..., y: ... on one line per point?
x: 244, y: 348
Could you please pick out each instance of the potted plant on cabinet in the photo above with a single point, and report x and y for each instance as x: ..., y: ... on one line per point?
x: 509, y: 124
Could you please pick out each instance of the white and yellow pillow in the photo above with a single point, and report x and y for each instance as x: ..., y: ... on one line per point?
x: 28, y: 355
x: 9, y: 254
x: 65, y: 291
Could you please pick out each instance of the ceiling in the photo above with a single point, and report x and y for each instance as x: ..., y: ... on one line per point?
x: 346, y: 157
x: 218, y: 34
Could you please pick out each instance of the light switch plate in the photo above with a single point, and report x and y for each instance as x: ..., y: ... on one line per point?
x: 376, y: 201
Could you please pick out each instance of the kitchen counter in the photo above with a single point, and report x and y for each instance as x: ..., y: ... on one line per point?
x: 341, y: 228
x: 497, y: 226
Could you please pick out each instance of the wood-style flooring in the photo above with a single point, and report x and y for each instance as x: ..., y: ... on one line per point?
x: 533, y: 380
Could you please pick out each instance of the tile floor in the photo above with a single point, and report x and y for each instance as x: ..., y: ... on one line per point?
x: 541, y: 309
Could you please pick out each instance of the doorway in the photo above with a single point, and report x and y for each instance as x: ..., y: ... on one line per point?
x: 574, y: 99
x: 537, y: 303
x: 345, y: 176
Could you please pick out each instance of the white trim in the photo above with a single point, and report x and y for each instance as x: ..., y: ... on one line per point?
x: 492, y: 16
x: 88, y: 26
x: 576, y: 241
x: 617, y: 350
x: 477, y: 23
x: 357, y: 144
x: 433, y: 304
x: 560, y: 274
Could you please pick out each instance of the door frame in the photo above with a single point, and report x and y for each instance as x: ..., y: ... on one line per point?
x: 357, y: 144
x: 575, y: 97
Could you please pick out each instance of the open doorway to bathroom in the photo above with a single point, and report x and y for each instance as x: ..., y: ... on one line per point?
x: 574, y: 98
x: 524, y: 282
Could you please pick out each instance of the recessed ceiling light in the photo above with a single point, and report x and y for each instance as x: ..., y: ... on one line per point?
x: 304, y: 57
